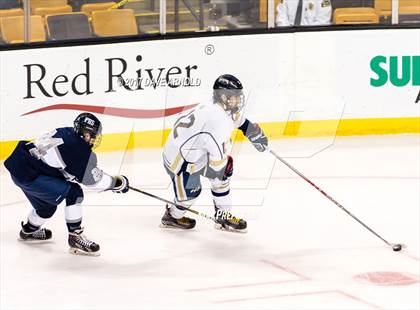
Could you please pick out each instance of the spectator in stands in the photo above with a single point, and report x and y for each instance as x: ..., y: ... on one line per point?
x: 303, y: 13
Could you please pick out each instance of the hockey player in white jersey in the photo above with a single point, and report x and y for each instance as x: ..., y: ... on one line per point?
x: 200, y: 145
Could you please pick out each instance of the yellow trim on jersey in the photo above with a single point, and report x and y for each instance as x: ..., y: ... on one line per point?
x: 273, y: 130
x: 177, y: 163
x: 221, y: 187
x: 192, y: 168
x: 180, y: 188
x: 217, y: 164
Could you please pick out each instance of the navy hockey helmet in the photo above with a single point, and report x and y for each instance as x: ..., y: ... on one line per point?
x: 88, y: 123
x: 228, y: 92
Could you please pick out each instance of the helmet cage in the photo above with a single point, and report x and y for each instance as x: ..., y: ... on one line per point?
x: 225, y: 97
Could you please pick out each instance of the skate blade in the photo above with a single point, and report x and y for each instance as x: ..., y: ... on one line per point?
x: 229, y: 229
x: 75, y: 251
x: 34, y: 241
x: 174, y: 227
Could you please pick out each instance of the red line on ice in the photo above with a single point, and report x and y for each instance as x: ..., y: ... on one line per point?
x: 300, y: 278
x: 411, y: 256
x: 301, y: 294
x: 240, y: 285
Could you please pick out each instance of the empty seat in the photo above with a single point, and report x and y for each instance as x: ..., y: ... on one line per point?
x: 384, y: 7
x: 139, y: 6
x: 12, y: 29
x: 355, y: 16
x: 337, y: 4
x: 68, y: 26
x: 77, y: 4
x: 90, y: 7
x: 114, y: 23
x: 11, y: 12
x: 9, y: 4
x: 409, y: 14
x: 46, y: 4
x: 41, y: 11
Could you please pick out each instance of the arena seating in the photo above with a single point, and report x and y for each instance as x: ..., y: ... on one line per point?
x: 77, y: 4
x: 383, y: 8
x: 68, y: 26
x: 43, y: 11
x: 46, y: 4
x: 409, y: 14
x: 11, y: 12
x: 339, y: 4
x: 95, y: 17
x: 9, y: 4
x: 114, y: 23
x: 12, y: 29
x: 344, y: 16
x: 90, y: 7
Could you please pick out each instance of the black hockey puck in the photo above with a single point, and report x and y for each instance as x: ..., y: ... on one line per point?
x: 397, y: 247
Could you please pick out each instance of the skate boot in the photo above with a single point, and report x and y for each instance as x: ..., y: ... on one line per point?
x: 226, y: 221
x: 41, y: 234
x: 168, y: 221
x: 81, y: 245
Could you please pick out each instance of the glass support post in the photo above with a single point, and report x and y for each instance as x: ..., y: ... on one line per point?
x: 162, y: 16
x: 394, y: 12
x: 271, y: 14
x: 27, y: 20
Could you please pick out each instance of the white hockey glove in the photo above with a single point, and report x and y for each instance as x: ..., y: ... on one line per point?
x: 121, y: 184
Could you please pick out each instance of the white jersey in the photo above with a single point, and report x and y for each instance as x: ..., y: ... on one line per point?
x: 200, y: 138
x: 314, y: 12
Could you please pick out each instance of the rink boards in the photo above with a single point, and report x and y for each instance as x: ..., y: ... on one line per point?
x: 296, y: 84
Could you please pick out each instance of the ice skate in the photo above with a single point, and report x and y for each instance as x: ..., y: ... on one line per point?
x: 168, y: 221
x: 42, y: 234
x: 80, y: 245
x: 227, y: 222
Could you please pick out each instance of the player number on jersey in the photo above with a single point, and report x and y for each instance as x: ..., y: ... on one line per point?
x: 45, y: 143
x: 187, y: 124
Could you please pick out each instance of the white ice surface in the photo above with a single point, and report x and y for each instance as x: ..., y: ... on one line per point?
x: 301, y: 251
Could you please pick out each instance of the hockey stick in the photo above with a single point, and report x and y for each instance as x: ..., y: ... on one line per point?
x: 395, y: 246
x: 174, y: 204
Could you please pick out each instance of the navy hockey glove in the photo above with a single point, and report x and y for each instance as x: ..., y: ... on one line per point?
x: 121, y: 184
x: 257, y: 137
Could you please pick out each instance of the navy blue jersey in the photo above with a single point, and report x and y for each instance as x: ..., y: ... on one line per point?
x: 60, y: 153
x: 77, y: 155
x: 25, y: 167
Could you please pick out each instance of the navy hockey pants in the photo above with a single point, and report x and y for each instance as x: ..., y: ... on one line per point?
x: 45, y: 193
x: 186, y: 186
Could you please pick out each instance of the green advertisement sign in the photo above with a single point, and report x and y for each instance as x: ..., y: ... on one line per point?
x: 399, y: 71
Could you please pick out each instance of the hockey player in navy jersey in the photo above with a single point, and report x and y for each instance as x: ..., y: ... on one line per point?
x: 49, y: 169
